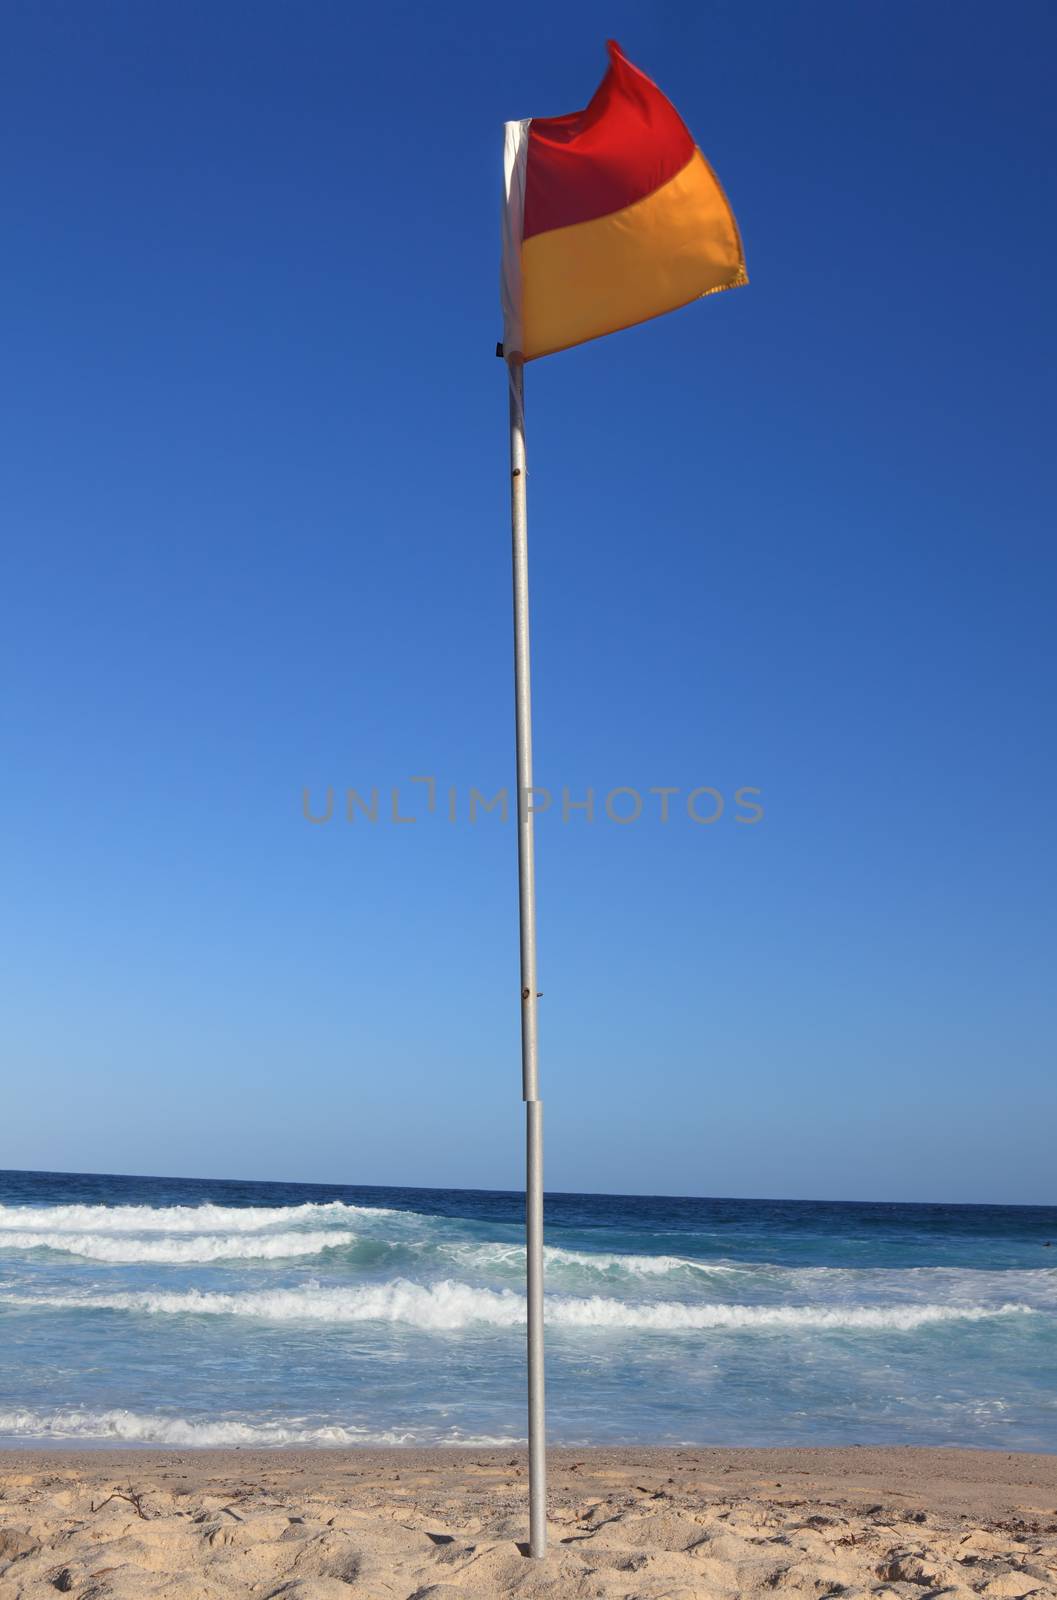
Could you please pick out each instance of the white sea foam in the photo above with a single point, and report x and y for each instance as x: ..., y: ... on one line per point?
x: 128, y: 1248
x: 636, y: 1266
x: 509, y: 1257
x: 449, y: 1306
x: 156, y: 1234
x: 672, y: 1316
x: 153, y: 1234
x: 131, y: 1427
x: 955, y: 1281
x: 180, y: 1219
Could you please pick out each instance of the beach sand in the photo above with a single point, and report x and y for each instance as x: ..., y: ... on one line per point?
x: 441, y: 1524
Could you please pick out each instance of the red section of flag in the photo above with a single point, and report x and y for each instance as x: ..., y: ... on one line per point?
x: 628, y: 142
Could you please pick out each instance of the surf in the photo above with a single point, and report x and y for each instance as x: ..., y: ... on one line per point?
x: 450, y: 1306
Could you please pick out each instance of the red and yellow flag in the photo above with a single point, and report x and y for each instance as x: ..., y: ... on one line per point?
x: 612, y: 216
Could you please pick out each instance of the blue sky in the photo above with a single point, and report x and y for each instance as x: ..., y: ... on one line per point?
x: 798, y: 537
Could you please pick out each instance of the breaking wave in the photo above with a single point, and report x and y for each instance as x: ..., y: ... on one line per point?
x: 499, y: 1257
x: 450, y: 1305
x: 180, y: 1219
x: 198, y: 1234
x: 128, y: 1249
x: 132, y: 1427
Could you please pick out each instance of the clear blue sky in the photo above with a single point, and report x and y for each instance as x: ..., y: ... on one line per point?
x: 798, y: 537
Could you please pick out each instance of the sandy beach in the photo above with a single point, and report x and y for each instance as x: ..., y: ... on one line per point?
x: 434, y: 1525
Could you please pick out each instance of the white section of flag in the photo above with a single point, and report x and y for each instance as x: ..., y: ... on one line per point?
x: 515, y: 162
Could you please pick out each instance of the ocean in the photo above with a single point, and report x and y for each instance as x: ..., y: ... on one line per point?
x: 190, y: 1312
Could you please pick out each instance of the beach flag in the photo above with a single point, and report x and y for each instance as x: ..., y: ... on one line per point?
x: 612, y: 215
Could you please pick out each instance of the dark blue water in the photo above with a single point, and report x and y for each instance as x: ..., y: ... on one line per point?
x: 188, y: 1311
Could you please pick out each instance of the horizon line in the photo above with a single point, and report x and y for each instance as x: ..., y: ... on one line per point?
x: 595, y: 1194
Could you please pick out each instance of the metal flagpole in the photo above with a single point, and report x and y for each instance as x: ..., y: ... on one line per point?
x: 529, y: 995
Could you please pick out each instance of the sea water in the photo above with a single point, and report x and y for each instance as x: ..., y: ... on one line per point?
x: 186, y: 1312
